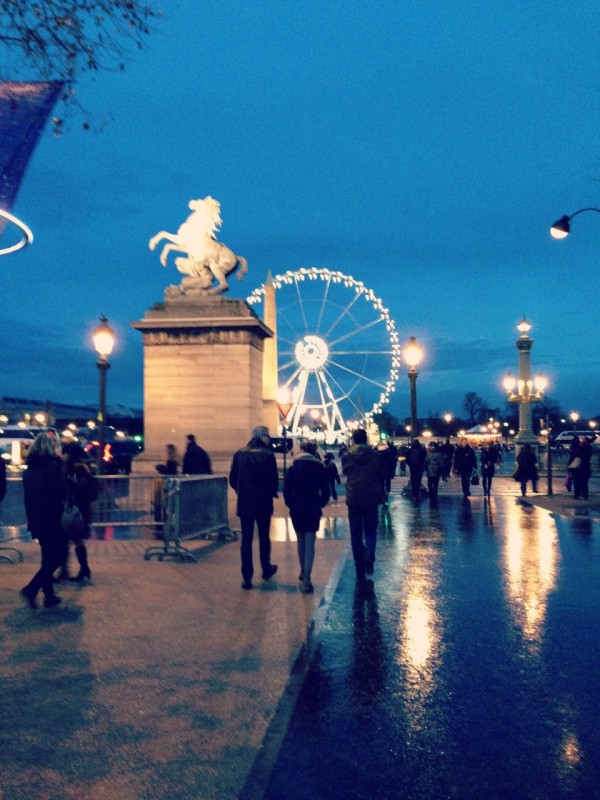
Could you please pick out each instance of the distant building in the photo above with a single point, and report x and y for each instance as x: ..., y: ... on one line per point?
x: 16, y: 409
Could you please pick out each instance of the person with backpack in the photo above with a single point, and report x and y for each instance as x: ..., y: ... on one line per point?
x: 434, y: 469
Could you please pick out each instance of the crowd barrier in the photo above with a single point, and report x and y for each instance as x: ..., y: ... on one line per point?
x: 177, y: 509
x: 194, y: 507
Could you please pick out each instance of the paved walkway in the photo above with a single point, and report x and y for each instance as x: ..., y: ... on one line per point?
x: 161, y: 680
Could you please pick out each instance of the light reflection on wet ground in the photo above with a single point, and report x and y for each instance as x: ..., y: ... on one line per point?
x: 472, y: 671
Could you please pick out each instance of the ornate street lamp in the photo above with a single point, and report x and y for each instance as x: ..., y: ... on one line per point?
x: 562, y: 227
x: 523, y: 389
x: 413, y: 354
x: 104, y: 340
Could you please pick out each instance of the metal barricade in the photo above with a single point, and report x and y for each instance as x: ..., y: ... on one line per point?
x: 125, y: 500
x: 195, y: 507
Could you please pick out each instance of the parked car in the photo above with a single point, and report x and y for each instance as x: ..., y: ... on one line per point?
x: 117, y: 457
x: 16, y: 441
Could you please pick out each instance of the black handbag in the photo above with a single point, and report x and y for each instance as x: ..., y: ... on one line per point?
x: 72, y: 521
x: 475, y: 478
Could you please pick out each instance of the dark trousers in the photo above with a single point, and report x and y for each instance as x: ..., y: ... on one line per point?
x: 416, y: 474
x: 263, y: 522
x: 433, y: 483
x: 54, y: 554
x: 465, y: 480
x: 486, y: 480
x: 580, y: 484
x: 363, y: 523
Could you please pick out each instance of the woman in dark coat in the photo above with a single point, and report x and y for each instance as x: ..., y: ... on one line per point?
x: 527, y: 468
x: 83, y: 490
x: 44, y: 493
x: 306, y: 491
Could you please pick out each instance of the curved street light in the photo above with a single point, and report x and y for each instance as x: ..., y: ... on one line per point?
x: 562, y: 227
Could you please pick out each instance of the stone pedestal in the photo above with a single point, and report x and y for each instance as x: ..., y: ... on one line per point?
x: 203, y: 374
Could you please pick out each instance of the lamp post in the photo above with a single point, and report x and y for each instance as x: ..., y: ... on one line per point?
x: 562, y: 227
x: 104, y: 339
x: 413, y: 354
x: 523, y: 390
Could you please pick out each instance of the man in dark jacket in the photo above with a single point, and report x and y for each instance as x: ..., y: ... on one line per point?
x: 416, y: 465
x: 464, y: 464
x: 196, y: 461
x: 364, y: 493
x: 255, y: 480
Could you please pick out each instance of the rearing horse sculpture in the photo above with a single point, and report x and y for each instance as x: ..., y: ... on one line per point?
x: 206, y: 258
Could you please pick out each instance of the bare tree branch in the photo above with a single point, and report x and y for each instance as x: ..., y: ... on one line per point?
x: 63, y: 39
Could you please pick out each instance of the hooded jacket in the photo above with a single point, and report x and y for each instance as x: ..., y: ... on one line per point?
x: 306, y: 491
x: 364, y: 469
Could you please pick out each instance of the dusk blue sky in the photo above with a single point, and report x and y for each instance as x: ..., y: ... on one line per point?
x: 421, y: 147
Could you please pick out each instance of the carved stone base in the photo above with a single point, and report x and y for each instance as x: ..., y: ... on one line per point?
x: 203, y: 362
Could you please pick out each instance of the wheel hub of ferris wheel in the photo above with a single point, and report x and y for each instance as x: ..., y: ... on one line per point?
x: 336, y: 344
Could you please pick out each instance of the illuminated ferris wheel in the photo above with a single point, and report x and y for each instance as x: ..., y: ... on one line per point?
x: 338, y: 351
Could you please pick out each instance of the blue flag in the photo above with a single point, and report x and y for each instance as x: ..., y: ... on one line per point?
x: 24, y: 108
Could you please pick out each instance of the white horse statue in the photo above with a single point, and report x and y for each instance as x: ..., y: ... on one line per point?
x: 206, y: 258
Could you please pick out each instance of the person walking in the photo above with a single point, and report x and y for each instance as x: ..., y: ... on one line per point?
x: 82, y: 489
x: 582, y: 472
x: 402, y: 456
x: 255, y: 480
x: 447, y: 450
x: 464, y: 464
x: 196, y: 460
x: 44, y: 494
x: 489, y: 457
x: 364, y: 493
x: 527, y: 468
x: 388, y: 454
x: 434, y: 469
x: 333, y: 476
x: 416, y: 466
x: 172, y: 461
x: 306, y: 491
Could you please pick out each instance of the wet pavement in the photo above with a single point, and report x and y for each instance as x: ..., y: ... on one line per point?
x: 471, y: 671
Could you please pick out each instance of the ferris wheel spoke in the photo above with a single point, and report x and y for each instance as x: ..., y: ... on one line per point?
x: 323, y: 303
x: 340, y: 317
x: 360, y: 375
x: 295, y: 333
x: 299, y: 296
x: 362, y: 352
x: 287, y: 365
x: 357, y: 330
